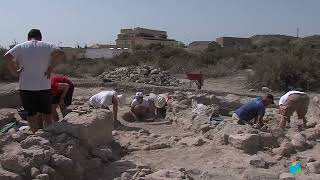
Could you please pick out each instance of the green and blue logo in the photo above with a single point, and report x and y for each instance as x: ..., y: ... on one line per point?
x: 295, y: 168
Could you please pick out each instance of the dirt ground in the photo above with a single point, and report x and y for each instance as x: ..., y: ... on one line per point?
x: 208, y: 161
x: 205, y: 161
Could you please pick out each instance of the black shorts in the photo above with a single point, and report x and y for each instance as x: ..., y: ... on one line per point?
x: 36, y: 101
x: 67, y: 99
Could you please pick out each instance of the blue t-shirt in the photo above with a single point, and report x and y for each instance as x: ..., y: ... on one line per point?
x: 251, y: 109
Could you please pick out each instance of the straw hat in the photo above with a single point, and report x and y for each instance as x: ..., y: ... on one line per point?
x: 160, y: 101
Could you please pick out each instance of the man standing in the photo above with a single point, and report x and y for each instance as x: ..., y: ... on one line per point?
x: 62, y: 91
x: 254, y: 111
x: 32, y: 62
x: 289, y: 103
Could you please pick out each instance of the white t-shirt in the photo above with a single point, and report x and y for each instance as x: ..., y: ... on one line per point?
x: 284, y: 98
x: 34, y: 57
x: 144, y: 103
x: 102, y: 98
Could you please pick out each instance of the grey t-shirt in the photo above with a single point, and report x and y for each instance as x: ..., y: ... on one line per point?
x: 34, y: 57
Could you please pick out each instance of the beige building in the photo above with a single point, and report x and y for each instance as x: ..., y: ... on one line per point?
x: 234, y: 42
x: 143, y: 37
x: 97, y: 51
x: 198, y: 46
x: 73, y: 53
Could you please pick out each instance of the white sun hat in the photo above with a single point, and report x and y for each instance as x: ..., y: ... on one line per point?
x: 139, y: 94
x: 121, y: 100
x: 152, y: 97
x: 160, y: 101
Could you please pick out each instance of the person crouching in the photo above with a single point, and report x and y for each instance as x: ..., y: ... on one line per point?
x: 253, y: 111
x: 140, y: 108
x: 62, y: 91
x: 158, y: 104
x: 104, y: 99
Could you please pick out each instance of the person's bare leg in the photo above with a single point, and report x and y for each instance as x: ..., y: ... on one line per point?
x: 40, y: 121
x: 63, y: 110
x: 283, y: 122
x: 55, y: 116
x: 47, y: 120
x: 33, y: 123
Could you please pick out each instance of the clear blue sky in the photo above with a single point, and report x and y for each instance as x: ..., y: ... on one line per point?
x: 99, y: 21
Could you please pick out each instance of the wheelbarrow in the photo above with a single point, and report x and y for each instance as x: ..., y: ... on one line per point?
x: 197, y: 78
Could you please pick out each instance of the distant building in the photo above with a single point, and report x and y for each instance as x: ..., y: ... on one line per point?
x: 73, y: 53
x: 234, y: 42
x: 143, y: 37
x: 198, y: 46
x: 94, y: 52
x: 213, y: 45
x: 104, y: 53
x: 103, y: 46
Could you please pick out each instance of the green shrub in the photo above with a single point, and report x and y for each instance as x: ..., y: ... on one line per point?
x: 297, y: 70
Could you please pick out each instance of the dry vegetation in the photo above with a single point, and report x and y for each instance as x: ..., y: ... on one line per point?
x: 279, y: 62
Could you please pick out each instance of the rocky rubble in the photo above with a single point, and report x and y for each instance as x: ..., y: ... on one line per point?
x: 65, y: 150
x: 140, y: 74
x: 192, y: 111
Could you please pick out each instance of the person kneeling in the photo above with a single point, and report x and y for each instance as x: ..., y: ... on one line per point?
x: 254, y: 111
x: 140, y: 108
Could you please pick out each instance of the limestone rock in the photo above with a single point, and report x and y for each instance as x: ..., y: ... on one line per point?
x: 314, y: 167
x: 268, y: 140
x: 299, y: 141
x: 204, y: 128
x: 287, y: 176
x: 32, y: 141
x: 61, y: 162
x: 34, y: 172
x: 155, y: 146
x: 6, y: 118
x: 126, y: 176
x: 93, y: 129
x: 258, y: 162
x: 37, y: 156
x: 43, y: 177
x: 104, y: 153
x: 311, y: 159
x: 6, y: 175
x: 21, y: 135
x: 14, y: 163
x: 266, y: 89
x: 261, y: 174
x: 285, y: 149
x: 249, y: 143
x: 48, y: 170
x: 74, y: 152
x: 166, y: 174
x: 311, y: 124
x: 191, y: 141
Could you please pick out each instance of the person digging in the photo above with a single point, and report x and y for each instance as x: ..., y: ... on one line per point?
x: 252, y: 112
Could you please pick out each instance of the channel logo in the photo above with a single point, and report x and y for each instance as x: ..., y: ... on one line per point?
x: 295, y: 168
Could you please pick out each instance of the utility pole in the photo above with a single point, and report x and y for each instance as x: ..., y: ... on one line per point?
x: 297, y: 32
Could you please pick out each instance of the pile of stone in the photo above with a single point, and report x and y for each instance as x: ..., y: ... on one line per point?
x: 70, y: 149
x: 184, y: 109
x: 140, y: 74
